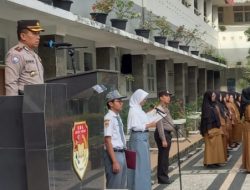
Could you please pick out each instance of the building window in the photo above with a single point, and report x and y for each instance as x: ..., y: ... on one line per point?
x: 231, y: 85
x: 247, y: 16
x: 88, y: 61
x: 221, y: 15
x: 75, y: 60
x: 205, y: 9
x: 2, y: 50
x: 195, y: 4
x: 196, y: 10
x: 238, y: 17
x: 241, y: 14
x: 151, y: 77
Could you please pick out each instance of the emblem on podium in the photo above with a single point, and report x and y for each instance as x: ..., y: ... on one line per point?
x: 80, y: 148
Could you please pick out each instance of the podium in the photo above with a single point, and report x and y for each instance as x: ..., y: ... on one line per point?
x: 43, y: 136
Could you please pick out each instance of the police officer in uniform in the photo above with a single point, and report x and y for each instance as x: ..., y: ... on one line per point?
x: 23, y: 65
x: 163, y: 137
x: 115, y: 144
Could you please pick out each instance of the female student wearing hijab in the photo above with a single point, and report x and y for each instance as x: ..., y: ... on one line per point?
x: 222, y: 113
x: 236, y: 122
x: 211, y: 131
x: 245, y: 111
x: 138, y: 124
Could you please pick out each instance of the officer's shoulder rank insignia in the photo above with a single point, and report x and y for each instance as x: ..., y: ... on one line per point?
x: 18, y: 49
x: 106, y: 123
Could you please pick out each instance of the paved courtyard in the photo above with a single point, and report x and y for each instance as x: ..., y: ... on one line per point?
x: 197, y: 177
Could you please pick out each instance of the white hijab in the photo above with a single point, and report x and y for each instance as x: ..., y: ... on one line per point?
x: 137, y: 118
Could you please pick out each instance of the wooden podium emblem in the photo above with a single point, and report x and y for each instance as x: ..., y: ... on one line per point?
x: 80, y: 148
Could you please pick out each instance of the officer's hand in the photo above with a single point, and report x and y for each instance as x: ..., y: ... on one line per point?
x: 164, y: 144
x: 116, y: 167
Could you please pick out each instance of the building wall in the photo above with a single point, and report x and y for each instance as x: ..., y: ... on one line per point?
x: 233, y: 44
x: 177, y: 14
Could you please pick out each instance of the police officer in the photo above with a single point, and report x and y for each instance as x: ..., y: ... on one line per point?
x: 23, y: 65
x: 163, y: 138
x: 115, y: 144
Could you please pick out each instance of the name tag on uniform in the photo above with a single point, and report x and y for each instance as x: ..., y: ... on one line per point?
x: 29, y: 61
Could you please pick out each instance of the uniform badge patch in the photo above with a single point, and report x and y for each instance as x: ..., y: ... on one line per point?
x: 106, y: 123
x: 15, y: 59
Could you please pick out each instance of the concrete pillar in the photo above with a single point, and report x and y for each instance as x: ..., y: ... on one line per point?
x: 215, y: 17
x: 217, y: 80
x: 209, y: 11
x: 170, y: 67
x: 191, y: 2
x: 53, y: 60
x: 192, y: 84
x: 202, y: 81
x: 223, y: 81
x: 164, y: 74
x: 201, y: 7
x: 210, y: 80
x: 144, y: 72
x: 180, y: 81
x: 105, y: 58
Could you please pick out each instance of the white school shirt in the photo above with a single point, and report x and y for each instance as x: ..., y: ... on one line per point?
x: 111, y: 129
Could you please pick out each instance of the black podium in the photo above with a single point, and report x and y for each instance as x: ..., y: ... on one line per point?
x: 43, y: 136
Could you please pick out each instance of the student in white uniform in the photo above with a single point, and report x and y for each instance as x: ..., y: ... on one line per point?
x: 115, y: 144
x: 138, y: 124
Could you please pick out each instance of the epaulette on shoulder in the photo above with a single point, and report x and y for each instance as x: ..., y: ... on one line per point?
x: 18, y: 49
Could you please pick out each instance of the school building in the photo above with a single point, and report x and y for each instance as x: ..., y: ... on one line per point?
x: 135, y: 61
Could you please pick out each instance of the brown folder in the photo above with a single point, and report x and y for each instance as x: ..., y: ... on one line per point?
x: 131, y: 159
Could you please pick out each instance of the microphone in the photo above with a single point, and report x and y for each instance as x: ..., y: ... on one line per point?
x: 52, y: 44
x: 158, y: 110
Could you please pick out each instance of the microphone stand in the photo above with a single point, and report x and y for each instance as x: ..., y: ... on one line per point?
x: 71, y: 52
x: 178, y: 148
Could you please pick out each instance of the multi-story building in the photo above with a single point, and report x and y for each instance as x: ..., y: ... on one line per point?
x: 152, y: 66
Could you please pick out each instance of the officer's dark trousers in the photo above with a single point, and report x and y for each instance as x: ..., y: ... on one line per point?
x: 163, y: 156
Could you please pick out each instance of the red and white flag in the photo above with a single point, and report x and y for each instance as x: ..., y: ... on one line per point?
x: 229, y: 2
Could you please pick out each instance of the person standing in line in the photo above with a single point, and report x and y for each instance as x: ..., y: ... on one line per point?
x: 222, y: 113
x: 23, y: 65
x: 163, y: 137
x: 236, y: 121
x: 238, y: 100
x: 225, y: 98
x: 138, y: 125
x: 210, y: 130
x: 115, y: 143
x: 245, y: 111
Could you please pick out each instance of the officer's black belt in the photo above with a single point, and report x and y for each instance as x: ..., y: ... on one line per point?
x: 119, y: 150
x: 140, y: 131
